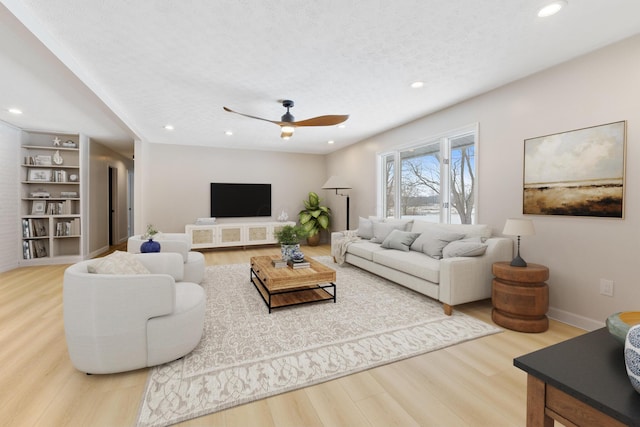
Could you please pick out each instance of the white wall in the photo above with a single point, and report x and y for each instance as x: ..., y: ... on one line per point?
x: 601, y: 87
x: 173, y: 182
x: 10, y: 205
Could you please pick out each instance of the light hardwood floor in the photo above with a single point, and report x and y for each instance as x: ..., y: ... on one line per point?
x: 470, y: 384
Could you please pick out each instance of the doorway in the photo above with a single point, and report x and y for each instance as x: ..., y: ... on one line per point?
x: 113, y: 206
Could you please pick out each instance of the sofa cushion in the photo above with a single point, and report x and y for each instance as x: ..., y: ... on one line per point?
x: 414, y: 263
x: 365, y: 227
x: 432, y: 242
x: 469, y: 230
x: 382, y: 229
x: 118, y: 263
x: 466, y: 247
x: 364, y: 249
x: 400, y: 240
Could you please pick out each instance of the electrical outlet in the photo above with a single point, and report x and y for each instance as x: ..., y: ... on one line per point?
x: 606, y: 287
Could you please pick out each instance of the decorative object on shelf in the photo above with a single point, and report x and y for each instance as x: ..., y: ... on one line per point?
x: 289, y: 238
x: 518, y: 227
x: 40, y: 194
x: 57, y: 158
x: 336, y: 183
x: 40, y: 175
x: 56, y: 141
x: 41, y: 160
x: 314, y: 218
x: 283, y: 216
x: 619, y: 323
x: 73, y: 177
x: 69, y: 144
x: 570, y: 173
x: 38, y: 207
x: 632, y: 356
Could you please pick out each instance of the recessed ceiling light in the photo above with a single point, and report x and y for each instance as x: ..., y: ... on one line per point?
x: 342, y: 126
x: 228, y: 132
x: 169, y: 127
x: 551, y: 8
x: 15, y: 111
x: 331, y: 141
x: 417, y: 85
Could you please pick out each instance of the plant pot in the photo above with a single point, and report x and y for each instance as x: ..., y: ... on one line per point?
x: 150, y: 246
x: 288, y: 250
x: 313, y: 240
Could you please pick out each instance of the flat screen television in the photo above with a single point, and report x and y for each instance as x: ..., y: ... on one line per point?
x: 231, y: 200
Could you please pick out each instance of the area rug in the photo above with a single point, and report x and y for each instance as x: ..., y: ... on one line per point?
x: 247, y: 354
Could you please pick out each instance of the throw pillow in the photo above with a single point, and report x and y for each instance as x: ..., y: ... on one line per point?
x: 382, y: 229
x: 466, y: 247
x: 400, y: 240
x: 118, y: 262
x: 432, y: 243
x: 365, y: 228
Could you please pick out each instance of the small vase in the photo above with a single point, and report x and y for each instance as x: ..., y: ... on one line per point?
x: 150, y: 246
x: 632, y: 356
x: 288, y: 250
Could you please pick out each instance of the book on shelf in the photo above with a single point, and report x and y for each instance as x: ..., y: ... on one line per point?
x: 68, y: 228
x: 34, y: 227
x: 297, y: 265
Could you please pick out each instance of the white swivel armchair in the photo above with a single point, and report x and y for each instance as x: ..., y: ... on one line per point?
x: 121, y: 322
x: 178, y: 243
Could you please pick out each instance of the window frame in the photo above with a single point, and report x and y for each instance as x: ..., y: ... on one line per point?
x: 444, y: 140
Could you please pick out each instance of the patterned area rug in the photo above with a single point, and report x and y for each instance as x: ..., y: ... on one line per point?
x: 248, y: 354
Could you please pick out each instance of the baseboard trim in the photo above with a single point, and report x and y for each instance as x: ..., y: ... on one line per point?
x: 574, y: 319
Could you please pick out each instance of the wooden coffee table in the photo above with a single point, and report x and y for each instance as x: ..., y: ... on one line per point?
x: 283, y: 287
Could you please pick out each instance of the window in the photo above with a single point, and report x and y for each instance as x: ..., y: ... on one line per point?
x: 434, y: 180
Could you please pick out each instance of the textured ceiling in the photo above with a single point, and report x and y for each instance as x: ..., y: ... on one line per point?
x: 157, y: 62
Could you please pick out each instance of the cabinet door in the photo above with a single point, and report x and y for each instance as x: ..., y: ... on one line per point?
x: 230, y: 235
x: 202, y: 236
x: 257, y: 234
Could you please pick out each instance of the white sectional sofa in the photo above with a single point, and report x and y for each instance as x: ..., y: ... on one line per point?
x: 447, y: 262
x: 180, y: 243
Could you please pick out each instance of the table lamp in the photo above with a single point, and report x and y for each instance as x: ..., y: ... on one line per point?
x: 337, y: 183
x: 518, y: 227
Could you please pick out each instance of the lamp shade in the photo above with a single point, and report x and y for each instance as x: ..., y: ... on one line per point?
x: 518, y: 227
x: 336, y: 183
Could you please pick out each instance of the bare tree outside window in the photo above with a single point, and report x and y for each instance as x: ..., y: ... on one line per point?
x: 422, y: 191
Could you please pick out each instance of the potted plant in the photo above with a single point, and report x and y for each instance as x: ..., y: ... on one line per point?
x: 289, y: 238
x: 150, y: 245
x: 314, y: 218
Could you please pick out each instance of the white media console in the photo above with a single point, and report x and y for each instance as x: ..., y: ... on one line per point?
x: 234, y: 234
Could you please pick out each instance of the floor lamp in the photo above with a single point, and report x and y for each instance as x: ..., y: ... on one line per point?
x: 337, y: 183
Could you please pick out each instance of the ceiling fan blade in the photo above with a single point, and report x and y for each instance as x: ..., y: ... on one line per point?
x: 322, y: 121
x: 250, y: 116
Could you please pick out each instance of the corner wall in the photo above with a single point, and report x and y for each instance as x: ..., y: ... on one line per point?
x: 10, y: 206
x: 598, y: 88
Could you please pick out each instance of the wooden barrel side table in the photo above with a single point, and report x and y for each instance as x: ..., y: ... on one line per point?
x: 520, y: 297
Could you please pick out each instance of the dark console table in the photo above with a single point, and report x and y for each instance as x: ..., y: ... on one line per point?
x: 580, y: 382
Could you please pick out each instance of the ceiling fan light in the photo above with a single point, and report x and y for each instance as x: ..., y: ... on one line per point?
x: 287, y: 132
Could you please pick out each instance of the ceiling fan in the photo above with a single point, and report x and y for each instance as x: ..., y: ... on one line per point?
x: 287, y: 122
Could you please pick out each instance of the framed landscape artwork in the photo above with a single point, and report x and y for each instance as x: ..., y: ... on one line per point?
x: 576, y: 173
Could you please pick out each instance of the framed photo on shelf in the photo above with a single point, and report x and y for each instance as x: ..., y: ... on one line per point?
x: 41, y: 160
x: 38, y: 207
x: 41, y: 175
